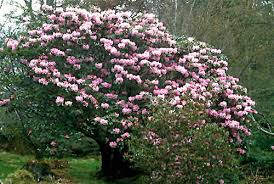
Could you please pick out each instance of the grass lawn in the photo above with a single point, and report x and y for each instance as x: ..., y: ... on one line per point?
x: 80, y: 171
x: 84, y: 170
x: 11, y: 162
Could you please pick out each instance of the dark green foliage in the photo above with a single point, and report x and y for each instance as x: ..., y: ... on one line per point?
x: 258, y: 163
x: 3, y: 142
x: 44, y: 131
x: 177, y: 147
x: 45, y: 138
x: 12, y: 137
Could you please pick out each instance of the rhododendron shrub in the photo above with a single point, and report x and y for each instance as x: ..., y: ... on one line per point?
x: 103, y: 67
x: 177, y: 146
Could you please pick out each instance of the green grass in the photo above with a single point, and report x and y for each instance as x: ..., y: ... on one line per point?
x: 80, y: 171
x: 84, y: 170
x: 11, y: 162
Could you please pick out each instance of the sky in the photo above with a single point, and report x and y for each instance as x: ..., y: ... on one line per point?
x: 9, y: 6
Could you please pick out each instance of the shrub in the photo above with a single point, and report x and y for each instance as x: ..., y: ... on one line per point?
x: 20, y: 177
x: 176, y: 146
x: 107, y: 63
x: 12, y: 137
x: 40, y: 170
x: 46, y: 138
x: 96, y: 71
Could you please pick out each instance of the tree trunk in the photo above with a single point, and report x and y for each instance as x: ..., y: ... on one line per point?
x: 114, y: 165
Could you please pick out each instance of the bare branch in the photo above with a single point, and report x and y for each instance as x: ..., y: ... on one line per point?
x: 192, y: 6
x: 261, y: 128
x: 1, y: 4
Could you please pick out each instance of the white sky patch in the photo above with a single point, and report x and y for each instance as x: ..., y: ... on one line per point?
x: 10, y: 6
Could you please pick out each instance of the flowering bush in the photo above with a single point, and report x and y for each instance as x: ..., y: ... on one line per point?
x: 176, y: 146
x: 111, y: 61
x: 103, y: 67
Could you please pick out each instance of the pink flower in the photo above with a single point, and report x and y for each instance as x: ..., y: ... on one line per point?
x: 125, y: 135
x: 182, y: 70
x: 157, y: 53
x: 86, y: 47
x: 106, y: 85
x: 121, y: 45
x: 135, y: 108
x: 144, y: 111
x: 111, y: 96
x: 52, y: 17
x: 119, y: 80
x: 126, y: 110
x: 221, y: 181
x: 4, y: 102
x: 57, y: 52
x: 113, y: 144
x: 241, y: 151
x: 99, y: 65
x: 223, y: 104
x: 114, y: 51
x: 239, y: 107
x: 79, y: 98
x: 105, y: 105
x: 66, y: 37
x: 59, y: 100
x: 12, y: 44
x: 43, y: 81
x: 119, y: 140
x: 74, y: 87
x: 116, y: 130
x: 93, y: 37
x: 103, y: 122
x: 97, y: 119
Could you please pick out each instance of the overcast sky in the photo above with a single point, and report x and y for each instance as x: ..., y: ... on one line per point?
x: 7, y: 7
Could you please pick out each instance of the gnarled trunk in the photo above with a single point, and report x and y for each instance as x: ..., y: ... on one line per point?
x: 114, y: 165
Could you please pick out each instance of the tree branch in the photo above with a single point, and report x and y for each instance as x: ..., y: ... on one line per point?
x: 1, y: 4
x: 260, y: 128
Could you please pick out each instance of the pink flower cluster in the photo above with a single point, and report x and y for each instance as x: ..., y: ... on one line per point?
x: 114, y: 60
x: 12, y: 44
x: 4, y: 102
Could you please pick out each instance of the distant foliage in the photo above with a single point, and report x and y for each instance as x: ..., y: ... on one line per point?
x: 100, y: 70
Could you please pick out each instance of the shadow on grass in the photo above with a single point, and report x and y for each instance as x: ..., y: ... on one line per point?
x: 84, y: 171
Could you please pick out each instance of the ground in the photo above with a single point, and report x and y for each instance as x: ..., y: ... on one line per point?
x: 80, y: 170
x: 83, y: 171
